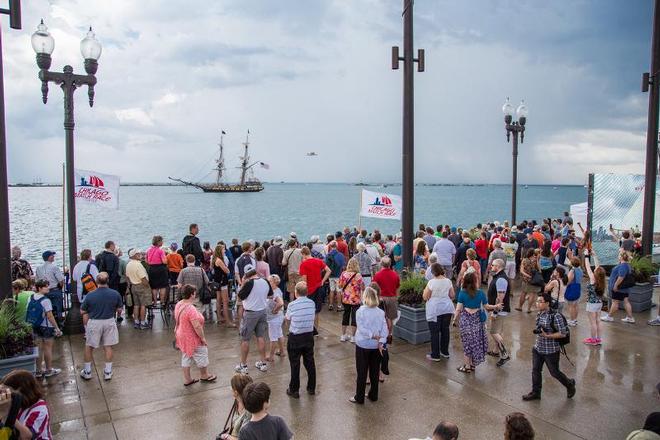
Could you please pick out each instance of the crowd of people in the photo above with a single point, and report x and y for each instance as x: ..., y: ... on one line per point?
x: 261, y: 289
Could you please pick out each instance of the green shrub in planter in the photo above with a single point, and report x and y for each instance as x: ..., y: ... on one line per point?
x: 15, y: 334
x: 411, y: 289
x: 643, y: 268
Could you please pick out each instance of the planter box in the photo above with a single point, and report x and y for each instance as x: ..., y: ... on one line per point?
x: 25, y: 362
x: 412, y: 326
x: 640, y: 297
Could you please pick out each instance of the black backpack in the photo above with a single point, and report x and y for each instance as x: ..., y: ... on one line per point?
x: 566, y: 339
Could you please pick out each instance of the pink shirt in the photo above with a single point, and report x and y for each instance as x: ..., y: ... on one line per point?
x: 186, y: 338
x: 263, y: 269
x: 155, y: 255
x: 556, y: 244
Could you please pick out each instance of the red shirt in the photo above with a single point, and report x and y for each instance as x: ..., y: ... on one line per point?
x: 342, y: 247
x: 312, y: 268
x: 481, y: 248
x: 388, y: 281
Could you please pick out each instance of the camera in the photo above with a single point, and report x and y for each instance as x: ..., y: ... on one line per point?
x: 537, y: 331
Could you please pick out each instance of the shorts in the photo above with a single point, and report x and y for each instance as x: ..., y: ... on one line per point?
x: 334, y: 284
x: 528, y: 288
x: 619, y: 295
x: 101, y: 332
x: 253, y: 323
x: 594, y: 307
x: 43, y: 332
x: 391, y: 306
x: 275, y: 329
x: 200, y: 356
x: 317, y: 297
x: 141, y: 295
x: 573, y: 302
x: 510, y: 270
x: 294, y: 278
x: 496, y: 325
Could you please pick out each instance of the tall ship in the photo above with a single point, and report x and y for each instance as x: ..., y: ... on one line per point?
x: 247, y: 183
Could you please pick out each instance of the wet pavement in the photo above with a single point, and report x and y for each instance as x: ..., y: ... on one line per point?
x: 146, y: 398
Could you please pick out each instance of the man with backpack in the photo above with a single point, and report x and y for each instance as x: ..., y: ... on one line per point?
x: 336, y: 263
x: 44, y: 327
x: 551, y: 334
x: 84, y: 273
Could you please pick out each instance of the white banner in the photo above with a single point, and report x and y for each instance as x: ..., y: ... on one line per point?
x: 380, y: 205
x: 96, y: 188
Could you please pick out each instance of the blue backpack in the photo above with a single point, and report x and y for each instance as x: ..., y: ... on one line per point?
x: 35, y: 312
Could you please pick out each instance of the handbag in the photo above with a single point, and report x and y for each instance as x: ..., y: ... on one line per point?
x: 483, y: 316
x: 537, y: 279
x: 227, y: 426
x: 572, y: 292
x: 176, y: 326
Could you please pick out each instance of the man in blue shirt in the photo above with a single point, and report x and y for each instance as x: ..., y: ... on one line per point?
x: 300, y: 314
x: 98, y: 312
x: 618, y: 292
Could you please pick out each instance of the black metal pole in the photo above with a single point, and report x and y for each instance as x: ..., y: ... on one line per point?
x: 408, y: 156
x: 73, y: 323
x: 5, y: 251
x: 514, y: 183
x: 652, y: 138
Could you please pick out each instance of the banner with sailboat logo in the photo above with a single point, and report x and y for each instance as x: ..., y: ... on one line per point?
x: 380, y: 205
x: 96, y: 188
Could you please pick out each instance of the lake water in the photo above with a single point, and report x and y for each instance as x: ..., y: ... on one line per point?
x: 307, y: 209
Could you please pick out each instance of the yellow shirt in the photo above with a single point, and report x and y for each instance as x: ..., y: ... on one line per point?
x: 135, y: 271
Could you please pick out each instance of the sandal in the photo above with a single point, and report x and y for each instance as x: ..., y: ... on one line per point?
x: 191, y: 382
x: 519, y: 309
x: 465, y: 369
x: 211, y: 378
x: 493, y: 353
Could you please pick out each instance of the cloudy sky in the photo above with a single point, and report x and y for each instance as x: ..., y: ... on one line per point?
x: 315, y: 76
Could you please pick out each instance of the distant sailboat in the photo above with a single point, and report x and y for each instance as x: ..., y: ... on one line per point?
x: 248, y: 182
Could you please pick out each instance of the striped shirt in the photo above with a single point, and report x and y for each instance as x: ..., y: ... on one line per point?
x: 301, y: 314
x: 37, y: 420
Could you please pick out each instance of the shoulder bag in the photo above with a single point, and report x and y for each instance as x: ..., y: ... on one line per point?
x: 227, y: 427
x: 176, y: 325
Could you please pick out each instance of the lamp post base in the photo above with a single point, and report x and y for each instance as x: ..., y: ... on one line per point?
x: 73, y: 323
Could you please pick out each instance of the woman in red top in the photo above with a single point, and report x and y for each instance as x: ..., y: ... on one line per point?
x: 481, y: 246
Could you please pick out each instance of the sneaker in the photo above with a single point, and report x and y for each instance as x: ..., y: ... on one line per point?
x: 502, y: 313
x: 107, y: 375
x: 628, y: 320
x: 432, y: 359
x: 344, y: 338
x: 87, y: 375
x: 446, y: 356
x: 352, y: 339
x: 589, y: 341
x: 330, y: 307
x: 290, y: 393
x: 38, y: 374
x: 241, y: 368
x: 136, y: 325
x: 571, y: 323
x: 503, y: 361
x: 52, y: 372
x: 146, y: 326
x: 655, y: 321
x: 570, y: 389
x: 261, y: 366
x: 598, y: 341
x: 606, y: 318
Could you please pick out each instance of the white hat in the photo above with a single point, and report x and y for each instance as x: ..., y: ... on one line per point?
x: 133, y: 252
x: 314, y: 239
x: 293, y: 235
x: 277, y: 241
x: 248, y: 268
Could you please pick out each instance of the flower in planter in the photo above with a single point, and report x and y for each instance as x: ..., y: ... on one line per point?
x: 15, y: 334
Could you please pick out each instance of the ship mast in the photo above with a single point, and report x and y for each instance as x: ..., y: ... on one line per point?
x: 220, y: 162
x: 245, y: 159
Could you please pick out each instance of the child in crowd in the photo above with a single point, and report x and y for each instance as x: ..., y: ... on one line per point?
x: 275, y: 318
x: 33, y: 419
x: 262, y: 426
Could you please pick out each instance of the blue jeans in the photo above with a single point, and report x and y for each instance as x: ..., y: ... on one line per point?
x: 57, y: 299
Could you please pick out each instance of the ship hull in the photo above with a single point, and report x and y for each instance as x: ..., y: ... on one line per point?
x: 231, y: 188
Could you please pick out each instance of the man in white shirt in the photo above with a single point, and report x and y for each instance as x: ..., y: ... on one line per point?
x: 254, y: 293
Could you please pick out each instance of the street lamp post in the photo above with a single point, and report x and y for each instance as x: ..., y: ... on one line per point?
x: 44, y: 44
x: 516, y: 128
x: 14, y: 13
x: 408, y: 153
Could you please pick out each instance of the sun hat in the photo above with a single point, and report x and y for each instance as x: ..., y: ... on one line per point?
x: 132, y: 252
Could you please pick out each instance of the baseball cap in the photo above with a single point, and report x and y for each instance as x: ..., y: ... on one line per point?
x: 277, y: 241
x: 46, y: 255
x: 249, y: 270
